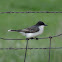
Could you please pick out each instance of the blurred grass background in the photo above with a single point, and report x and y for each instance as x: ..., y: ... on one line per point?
x: 20, y: 21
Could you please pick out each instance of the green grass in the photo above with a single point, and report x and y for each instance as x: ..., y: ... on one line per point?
x: 20, y: 21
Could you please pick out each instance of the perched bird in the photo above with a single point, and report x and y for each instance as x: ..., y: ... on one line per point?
x: 33, y: 31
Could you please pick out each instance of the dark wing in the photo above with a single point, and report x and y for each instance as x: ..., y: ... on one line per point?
x: 30, y: 29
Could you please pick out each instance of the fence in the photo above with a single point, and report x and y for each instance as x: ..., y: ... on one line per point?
x: 50, y: 37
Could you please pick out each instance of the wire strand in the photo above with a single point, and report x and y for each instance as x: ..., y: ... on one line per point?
x: 33, y: 12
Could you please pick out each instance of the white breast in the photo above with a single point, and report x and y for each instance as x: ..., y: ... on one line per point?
x: 29, y: 35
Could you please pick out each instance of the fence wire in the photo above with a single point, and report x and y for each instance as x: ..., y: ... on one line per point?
x: 34, y: 12
x: 50, y: 37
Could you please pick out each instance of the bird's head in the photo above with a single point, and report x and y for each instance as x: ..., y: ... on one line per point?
x: 41, y: 23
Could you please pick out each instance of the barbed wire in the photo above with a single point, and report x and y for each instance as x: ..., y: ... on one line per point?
x: 50, y: 37
x: 10, y: 48
x: 34, y: 12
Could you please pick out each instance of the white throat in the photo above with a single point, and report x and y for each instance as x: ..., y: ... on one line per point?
x: 41, y: 29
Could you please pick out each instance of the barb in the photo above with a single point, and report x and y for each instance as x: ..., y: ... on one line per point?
x: 34, y: 12
x: 26, y: 51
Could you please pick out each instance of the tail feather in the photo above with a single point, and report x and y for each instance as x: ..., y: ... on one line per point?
x: 13, y: 30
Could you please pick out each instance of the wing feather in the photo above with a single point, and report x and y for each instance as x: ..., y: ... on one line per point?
x: 30, y: 29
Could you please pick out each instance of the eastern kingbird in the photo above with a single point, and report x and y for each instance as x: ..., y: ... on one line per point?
x: 32, y: 31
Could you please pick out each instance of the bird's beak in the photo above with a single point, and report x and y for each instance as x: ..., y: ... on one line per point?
x: 45, y: 25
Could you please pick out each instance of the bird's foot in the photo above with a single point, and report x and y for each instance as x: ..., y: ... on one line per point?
x: 31, y: 38
x: 27, y: 38
x: 36, y: 38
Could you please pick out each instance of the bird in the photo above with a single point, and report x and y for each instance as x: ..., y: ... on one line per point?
x: 33, y: 31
